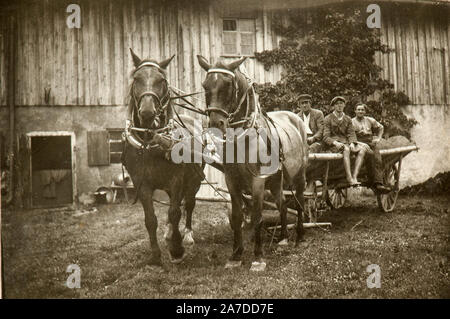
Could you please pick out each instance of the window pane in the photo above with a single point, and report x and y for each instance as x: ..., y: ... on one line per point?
x: 247, y: 38
x: 116, y: 147
x: 229, y: 25
x: 115, y: 158
x: 229, y: 49
x: 229, y: 42
x: 246, y: 25
x: 247, y: 50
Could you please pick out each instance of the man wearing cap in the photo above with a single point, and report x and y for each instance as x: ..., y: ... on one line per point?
x: 365, y: 128
x: 313, y: 120
x: 339, y: 136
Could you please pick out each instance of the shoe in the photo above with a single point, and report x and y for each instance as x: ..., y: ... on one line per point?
x: 382, y: 189
x: 355, y: 183
x: 309, y: 191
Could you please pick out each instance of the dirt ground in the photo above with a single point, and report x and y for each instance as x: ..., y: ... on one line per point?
x: 111, y: 247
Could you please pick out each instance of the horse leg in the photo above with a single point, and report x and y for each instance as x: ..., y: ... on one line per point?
x: 258, y: 199
x: 176, y: 249
x: 151, y: 223
x: 300, y: 206
x: 189, y: 206
x: 236, y: 223
x: 277, y: 192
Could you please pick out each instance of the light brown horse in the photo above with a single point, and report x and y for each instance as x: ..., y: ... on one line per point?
x: 231, y: 103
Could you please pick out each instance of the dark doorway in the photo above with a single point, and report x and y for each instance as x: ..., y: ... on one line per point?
x: 51, y: 171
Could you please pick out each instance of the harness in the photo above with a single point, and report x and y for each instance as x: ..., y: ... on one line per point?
x: 246, y: 118
x: 135, y: 140
x: 245, y: 96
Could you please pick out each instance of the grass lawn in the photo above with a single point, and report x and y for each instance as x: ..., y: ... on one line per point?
x: 111, y: 247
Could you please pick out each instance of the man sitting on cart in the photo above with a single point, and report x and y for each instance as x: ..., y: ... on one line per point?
x: 365, y: 129
x: 313, y: 120
x: 339, y: 137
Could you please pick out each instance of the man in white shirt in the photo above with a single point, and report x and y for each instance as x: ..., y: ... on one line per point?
x: 365, y: 129
x: 313, y: 120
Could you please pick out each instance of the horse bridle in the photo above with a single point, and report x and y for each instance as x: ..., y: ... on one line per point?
x: 162, y: 102
x: 229, y: 116
x: 129, y: 135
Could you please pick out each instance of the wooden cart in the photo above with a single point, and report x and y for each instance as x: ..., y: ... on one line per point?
x: 327, y: 170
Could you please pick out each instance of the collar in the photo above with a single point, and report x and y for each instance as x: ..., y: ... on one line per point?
x: 339, y: 117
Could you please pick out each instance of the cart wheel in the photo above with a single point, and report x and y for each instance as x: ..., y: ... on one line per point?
x: 386, y: 202
x: 336, y: 197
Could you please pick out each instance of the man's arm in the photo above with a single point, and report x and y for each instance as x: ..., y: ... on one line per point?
x: 327, y: 132
x: 351, y: 135
x: 320, y: 123
x: 379, y: 127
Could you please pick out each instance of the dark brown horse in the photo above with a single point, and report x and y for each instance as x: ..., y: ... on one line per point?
x: 231, y: 102
x: 150, y: 111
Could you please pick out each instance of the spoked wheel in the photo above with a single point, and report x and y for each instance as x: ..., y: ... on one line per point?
x: 386, y: 202
x: 336, y: 197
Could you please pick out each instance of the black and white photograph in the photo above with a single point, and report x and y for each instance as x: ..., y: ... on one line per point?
x: 225, y: 150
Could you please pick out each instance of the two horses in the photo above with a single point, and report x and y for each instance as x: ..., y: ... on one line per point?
x: 229, y: 104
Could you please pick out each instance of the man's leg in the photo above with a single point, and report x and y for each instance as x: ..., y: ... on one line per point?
x: 376, y: 168
x: 348, y: 173
x: 315, y: 147
x: 362, y: 148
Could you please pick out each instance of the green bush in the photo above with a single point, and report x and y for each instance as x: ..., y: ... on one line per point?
x: 333, y: 55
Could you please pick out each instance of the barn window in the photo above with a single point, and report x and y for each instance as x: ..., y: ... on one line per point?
x: 104, y: 147
x: 238, y: 37
x: 115, y: 145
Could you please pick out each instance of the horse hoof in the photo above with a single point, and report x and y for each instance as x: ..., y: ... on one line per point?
x: 188, y: 239
x: 233, y: 264
x: 258, y: 266
x: 155, y: 261
x: 177, y: 261
x: 283, y: 242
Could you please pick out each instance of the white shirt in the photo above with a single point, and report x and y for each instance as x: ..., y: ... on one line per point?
x: 306, y: 121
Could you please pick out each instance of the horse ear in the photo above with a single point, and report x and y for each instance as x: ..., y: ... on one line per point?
x: 136, y: 59
x: 165, y: 63
x: 233, y: 65
x: 203, y: 63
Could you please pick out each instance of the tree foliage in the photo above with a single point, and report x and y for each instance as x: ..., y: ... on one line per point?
x: 331, y: 52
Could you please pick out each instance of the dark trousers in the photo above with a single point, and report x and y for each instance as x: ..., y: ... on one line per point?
x: 374, y: 164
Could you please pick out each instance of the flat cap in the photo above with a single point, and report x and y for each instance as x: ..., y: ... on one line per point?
x: 337, y: 98
x: 303, y: 97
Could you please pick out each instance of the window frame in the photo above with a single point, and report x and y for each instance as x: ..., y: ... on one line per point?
x: 238, y: 38
x: 112, y: 155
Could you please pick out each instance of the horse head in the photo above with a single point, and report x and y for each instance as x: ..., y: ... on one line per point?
x: 222, y: 88
x: 149, y: 91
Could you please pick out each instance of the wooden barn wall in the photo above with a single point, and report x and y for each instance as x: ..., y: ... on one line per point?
x: 419, y: 63
x: 91, y: 65
x: 3, y: 57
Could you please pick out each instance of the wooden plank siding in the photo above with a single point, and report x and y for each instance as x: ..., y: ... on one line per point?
x: 91, y: 65
x: 419, y: 64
